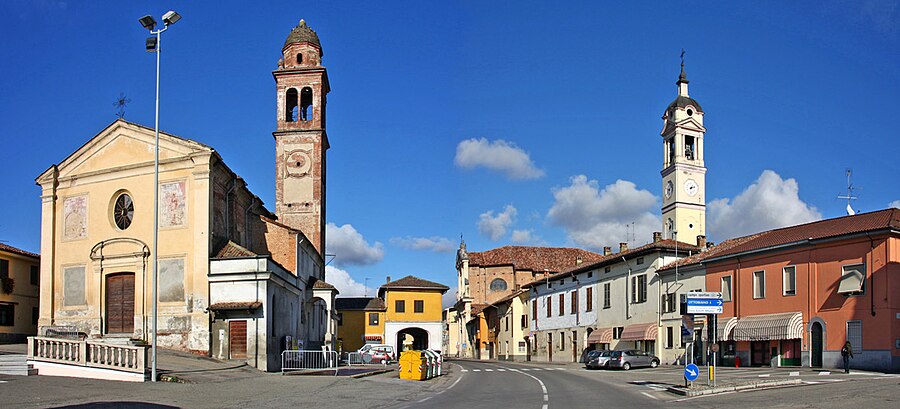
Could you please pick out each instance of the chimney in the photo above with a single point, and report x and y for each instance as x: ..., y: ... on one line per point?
x: 657, y: 236
x: 701, y: 241
x: 387, y: 280
x: 607, y: 250
x: 578, y: 260
x: 623, y: 247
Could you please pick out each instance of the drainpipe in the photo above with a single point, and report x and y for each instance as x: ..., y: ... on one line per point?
x: 627, y: 280
x: 228, y: 208
x: 871, y: 268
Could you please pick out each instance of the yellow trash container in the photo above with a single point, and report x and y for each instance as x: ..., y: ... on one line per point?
x: 412, y: 365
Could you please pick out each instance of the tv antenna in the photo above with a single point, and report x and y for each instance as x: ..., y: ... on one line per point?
x: 849, y: 196
x: 120, y: 104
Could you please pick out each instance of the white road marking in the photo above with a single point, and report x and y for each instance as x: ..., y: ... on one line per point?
x: 543, y: 387
x: 765, y: 375
x: 501, y: 370
x: 811, y: 382
x: 796, y: 373
x: 464, y: 370
x: 489, y: 370
x: 649, y: 395
x: 824, y: 373
x: 476, y: 370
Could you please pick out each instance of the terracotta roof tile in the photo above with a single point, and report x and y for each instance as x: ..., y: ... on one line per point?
x: 359, y: 304
x: 553, y: 259
x: 711, y: 252
x: 508, y: 297
x: 414, y: 282
x: 232, y: 250
x: 11, y: 249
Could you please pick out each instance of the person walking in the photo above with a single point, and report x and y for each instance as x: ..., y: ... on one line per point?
x: 846, y: 354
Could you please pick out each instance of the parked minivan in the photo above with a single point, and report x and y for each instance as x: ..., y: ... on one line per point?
x: 632, y: 358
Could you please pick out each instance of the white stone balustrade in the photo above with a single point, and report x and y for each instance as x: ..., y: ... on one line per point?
x: 129, y: 358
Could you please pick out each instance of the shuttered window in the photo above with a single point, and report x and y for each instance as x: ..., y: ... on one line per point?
x: 854, y: 335
x: 759, y: 284
x: 589, y: 299
x: 790, y: 280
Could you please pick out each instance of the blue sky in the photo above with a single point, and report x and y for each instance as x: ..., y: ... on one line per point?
x: 505, y: 123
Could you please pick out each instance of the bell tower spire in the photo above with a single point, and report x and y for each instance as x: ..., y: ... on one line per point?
x: 684, y: 170
x: 300, y: 139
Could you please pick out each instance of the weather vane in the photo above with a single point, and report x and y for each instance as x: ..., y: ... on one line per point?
x: 120, y: 104
x: 682, y: 57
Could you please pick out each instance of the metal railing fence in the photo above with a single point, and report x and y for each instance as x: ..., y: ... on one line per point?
x: 300, y: 359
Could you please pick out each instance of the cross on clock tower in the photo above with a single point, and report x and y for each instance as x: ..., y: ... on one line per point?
x: 300, y: 139
x: 683, y: 173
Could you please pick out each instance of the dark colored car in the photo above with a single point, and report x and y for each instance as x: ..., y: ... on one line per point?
x: 598, y: 359
x: 632, y: 358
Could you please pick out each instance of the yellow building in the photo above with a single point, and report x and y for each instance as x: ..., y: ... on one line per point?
x: 360, y: 322
x: 414, y: 312
x: 19, y: 289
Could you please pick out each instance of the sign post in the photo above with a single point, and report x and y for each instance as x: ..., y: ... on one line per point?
x: 709, y: 304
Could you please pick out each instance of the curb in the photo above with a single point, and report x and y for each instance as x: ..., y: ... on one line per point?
x: 365, y: 374
x: 679, y: 390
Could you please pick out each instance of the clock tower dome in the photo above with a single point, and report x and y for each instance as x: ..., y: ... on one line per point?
x: 300, y: 140
x: 684, y: 172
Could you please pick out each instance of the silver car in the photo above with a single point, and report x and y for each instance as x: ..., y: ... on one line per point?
x: 597, y: 359
x: 632, y: 358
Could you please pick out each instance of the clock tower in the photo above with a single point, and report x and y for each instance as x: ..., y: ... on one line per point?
x: 683, y: 173
x: 300, y: 140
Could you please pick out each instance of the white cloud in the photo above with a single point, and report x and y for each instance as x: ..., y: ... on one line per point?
x: 347, y: 286
x: 768, y: 203
x: 434, y: 243
x: 595, y: 218
x: 895, y: 203
x: 349, y: 246
x: 527, y: 237
x: 494, y: 227
x: 449, y: 298
x: 498, y: 155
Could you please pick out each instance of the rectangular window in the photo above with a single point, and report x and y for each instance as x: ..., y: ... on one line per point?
x: 606, y: 298
x: 35, y: 315
x: 617, y: 332
x: 574, y: 306
x: 549, y: 301
x: 373, y: 318
x: 562, y: 341
x: 669, y: 338
x: 638, y: 289
x: 506, y: 323
x: 35, y: 275
x: 853, y: 280
x: 726, y: 288
x: 533, y: 310
x: 524, y: 321
x: 4, y: 269
x: 589, y: 299
x: 640, y: 260
x: 419, y: 306
x: 340, y: 318
x: 668, y: 302
x: 607, y: 269
x: 854, y: 335
x: 400, y: 305
x: 562, y: 304
x: 759, y: 284
x: 521, y: 347
x: 590, y: 274
x: 789, y: 277
x: 7, y: 314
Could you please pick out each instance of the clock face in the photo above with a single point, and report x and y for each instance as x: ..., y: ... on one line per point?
x: 669, y: 189
x: 691, y: 187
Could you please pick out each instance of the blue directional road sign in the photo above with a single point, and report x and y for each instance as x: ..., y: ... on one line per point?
x: 704, y: 305
x: 691, y: 372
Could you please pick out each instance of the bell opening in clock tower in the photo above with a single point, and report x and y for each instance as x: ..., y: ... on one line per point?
x: 684, y: 171
x: 300, y: 139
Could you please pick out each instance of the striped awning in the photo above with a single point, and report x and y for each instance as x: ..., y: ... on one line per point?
x: 600, y: 336
x: 639, y: 332
x: 725, y: 329
x: 769, y: 327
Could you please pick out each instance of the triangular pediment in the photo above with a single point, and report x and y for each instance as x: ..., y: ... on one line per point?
x: 124, y: 144
x: 688, y: 124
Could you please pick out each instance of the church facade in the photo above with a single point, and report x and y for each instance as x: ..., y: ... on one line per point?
x: 234, y: 278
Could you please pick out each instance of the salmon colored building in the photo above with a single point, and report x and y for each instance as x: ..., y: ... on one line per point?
x: 794, y: 295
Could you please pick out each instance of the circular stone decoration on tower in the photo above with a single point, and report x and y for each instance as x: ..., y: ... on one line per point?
x: 498, y: 285
x: 123, y: 211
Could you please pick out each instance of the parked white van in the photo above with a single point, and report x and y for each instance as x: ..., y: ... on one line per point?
x: 381, y: 353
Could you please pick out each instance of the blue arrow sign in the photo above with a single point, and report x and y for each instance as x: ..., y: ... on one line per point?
x: 711, y: 302
x: 691, y: 372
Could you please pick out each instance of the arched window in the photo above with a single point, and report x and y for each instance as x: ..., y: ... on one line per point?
x: 306, y: 101
x: 299, y: 58
x: 498, y: 285
x: 290, y: 105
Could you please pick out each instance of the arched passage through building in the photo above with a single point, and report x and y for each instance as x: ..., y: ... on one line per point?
x: 412, y: 338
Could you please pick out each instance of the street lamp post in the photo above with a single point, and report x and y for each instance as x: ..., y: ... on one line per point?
x: 152, y: 45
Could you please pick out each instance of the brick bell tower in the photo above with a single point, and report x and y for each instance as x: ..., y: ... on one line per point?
x: 300, y: 139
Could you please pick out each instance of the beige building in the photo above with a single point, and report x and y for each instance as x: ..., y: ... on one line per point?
x: 19, y: 290
x: 232, y: 274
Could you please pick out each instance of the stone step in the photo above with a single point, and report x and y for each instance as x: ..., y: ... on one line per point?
x: 29, y: 371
